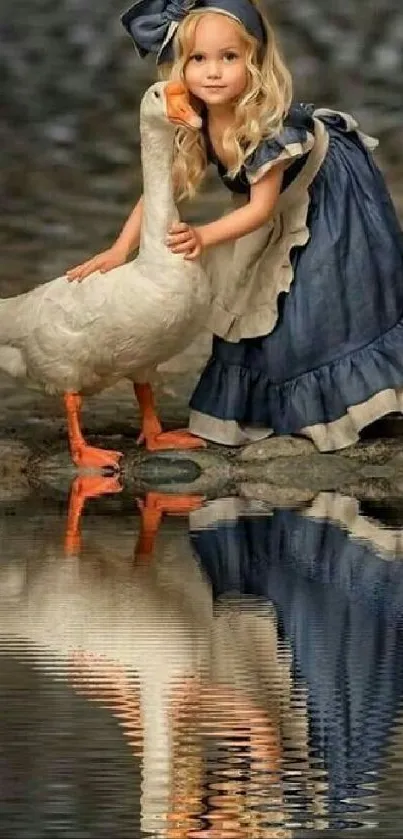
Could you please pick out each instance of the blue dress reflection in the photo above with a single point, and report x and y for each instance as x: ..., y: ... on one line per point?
x: 336, y: 580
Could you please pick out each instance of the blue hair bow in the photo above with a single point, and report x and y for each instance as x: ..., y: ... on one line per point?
x: 152, y: 24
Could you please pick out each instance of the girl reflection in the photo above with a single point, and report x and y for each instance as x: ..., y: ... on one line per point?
x: 338, y: 594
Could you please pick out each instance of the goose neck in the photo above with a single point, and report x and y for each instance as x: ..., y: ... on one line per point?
x: 159, y: 208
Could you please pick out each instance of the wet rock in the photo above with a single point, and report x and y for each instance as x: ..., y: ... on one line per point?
x: 168, y: 469
x: 203, y: 472
x: 274, y: 447
x: 206, y: 472
x: 276, y: 496
x: 40, y: 458
x: 316, y: 471
x: 372, y: 468
x: 376, y: 451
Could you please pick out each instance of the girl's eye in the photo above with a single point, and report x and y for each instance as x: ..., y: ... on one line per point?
x: 228, y: 56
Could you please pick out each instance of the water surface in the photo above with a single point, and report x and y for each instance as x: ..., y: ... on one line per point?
x: 241, y: 677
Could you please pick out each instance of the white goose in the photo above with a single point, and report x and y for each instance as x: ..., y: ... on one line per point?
x: 76, y: 338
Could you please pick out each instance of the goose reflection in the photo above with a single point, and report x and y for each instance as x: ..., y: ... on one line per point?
x: 335, y: 578
x: 203, y: 691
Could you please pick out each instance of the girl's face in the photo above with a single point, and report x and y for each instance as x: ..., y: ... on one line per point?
x: 216, y: 68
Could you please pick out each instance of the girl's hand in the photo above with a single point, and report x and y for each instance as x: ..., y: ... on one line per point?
x: 184, y: 239
x: 103, y: 262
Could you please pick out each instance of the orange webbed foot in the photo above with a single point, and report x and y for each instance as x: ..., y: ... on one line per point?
x: 90, y: 457
x: 152, y: 434
x: 180, y: 439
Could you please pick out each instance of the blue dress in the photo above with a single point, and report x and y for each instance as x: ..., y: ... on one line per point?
x: 333, y: 361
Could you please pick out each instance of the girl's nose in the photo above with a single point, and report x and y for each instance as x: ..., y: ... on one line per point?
x: 213, y: 70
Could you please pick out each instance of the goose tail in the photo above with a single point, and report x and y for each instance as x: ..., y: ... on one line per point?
x: 11, y: 358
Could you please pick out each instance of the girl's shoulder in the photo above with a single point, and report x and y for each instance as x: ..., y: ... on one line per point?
x: 300, y: 115
x: 293, y: 141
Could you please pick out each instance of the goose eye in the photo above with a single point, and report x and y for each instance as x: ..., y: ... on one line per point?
x: 156, y: 94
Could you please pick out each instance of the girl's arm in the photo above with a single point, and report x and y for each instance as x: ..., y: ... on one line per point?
x: 263, y: 198
x: 129, y: 236
x: 127, y: 241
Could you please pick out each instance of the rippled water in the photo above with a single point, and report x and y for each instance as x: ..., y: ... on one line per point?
x: 236, y: 672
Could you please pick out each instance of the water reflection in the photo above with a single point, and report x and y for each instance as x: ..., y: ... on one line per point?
x: 252, y: 667
x: 328, y: 572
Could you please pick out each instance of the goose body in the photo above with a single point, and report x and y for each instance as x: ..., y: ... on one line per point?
x: 64, y: 336
x: 70, y: 337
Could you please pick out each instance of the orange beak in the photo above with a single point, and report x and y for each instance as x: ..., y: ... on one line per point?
x: 178, y: 107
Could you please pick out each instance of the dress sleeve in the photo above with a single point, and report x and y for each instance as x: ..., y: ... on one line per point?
x: 295, y: 140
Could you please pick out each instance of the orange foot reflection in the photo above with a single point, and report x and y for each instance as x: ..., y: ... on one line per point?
x: 152, y: 509
x: 83, y: 487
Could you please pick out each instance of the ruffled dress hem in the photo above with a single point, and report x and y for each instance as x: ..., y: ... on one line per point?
x: 342, y: 394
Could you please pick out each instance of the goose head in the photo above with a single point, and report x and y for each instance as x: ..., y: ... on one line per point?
x: 168, y: 104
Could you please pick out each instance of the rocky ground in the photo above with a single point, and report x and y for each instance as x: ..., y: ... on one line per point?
x: 279, y: 471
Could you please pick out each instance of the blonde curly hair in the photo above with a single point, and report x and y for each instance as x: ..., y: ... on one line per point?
x: 258, y: 113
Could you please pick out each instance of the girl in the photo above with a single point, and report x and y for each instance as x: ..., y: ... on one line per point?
x: 308, y: 269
